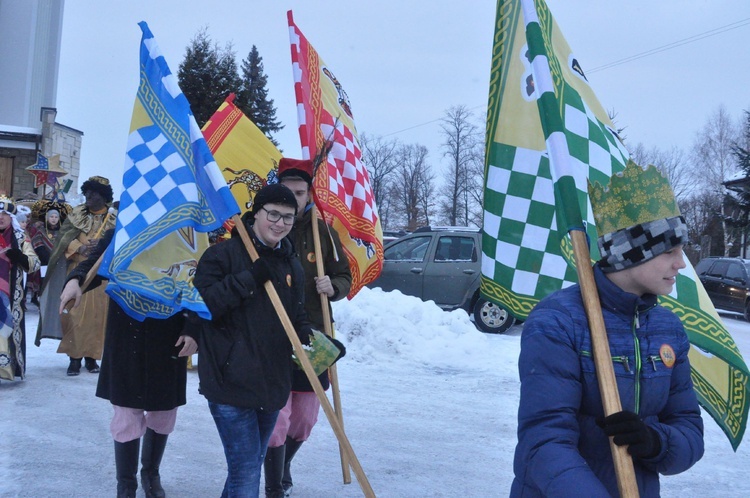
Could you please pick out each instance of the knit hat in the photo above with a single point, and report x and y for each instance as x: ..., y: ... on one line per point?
x: 98, y: 184
x: 637, y: 218
x: 274, y: 194
x: 302, y: 168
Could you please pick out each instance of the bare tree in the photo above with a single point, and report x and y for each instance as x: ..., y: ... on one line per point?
x: 379, y: 156
x: 463, y: 147
x: 412, y: 190
x: 475, y: 193
x: 673, y: 165
x: 713, y: 158
x: 702, y: 214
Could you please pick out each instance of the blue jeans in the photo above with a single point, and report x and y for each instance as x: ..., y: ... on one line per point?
x: 244, y: 433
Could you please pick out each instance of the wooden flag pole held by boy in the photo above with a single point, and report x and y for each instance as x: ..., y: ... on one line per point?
x: 605, y: 373
x: 327, y: 324
x: 307, y: 367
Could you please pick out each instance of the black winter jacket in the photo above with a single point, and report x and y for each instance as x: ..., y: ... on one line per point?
x: 140, y: 367
x: 245, y: 355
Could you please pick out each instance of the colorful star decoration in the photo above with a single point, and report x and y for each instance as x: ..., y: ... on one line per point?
x: 46, y: 171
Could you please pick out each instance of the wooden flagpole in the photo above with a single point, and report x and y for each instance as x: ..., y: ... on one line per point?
x: 328, y: 329
x: 307, y: 366
x: 605, y: 372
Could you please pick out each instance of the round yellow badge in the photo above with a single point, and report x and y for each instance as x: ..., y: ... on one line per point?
x: 667, y: 355
x: 288, y: 280
x: 311, y: 257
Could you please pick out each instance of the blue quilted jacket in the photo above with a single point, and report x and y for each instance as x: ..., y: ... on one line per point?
x: 561, y: 451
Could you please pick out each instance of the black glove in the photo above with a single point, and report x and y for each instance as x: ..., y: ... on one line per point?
x: 628, y: 428
x: 341, y: 347
x: 305, y: 335
x: 260, y: 271
x: 16, y: 256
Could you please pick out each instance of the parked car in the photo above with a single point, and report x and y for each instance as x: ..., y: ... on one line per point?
x: 442, y: 265
x: 391, y: 235
x: 727, y: 283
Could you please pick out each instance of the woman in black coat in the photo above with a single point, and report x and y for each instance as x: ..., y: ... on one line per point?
x: 143, y: 375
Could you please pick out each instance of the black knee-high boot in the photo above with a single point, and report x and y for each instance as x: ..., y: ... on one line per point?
x: 153, y: 450
x: 292, y: 445
x: 273, y: 469
x: 126, y: 463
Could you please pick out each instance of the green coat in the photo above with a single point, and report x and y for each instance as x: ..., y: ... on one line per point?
x: 337, y: 269
x: 335, y: 265
x: 77, y: 222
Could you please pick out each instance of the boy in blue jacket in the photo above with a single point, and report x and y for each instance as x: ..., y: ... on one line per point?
x: 563, y: 436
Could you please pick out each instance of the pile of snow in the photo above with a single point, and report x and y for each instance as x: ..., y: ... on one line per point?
x: 378, y: 326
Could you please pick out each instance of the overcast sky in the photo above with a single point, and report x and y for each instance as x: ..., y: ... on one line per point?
x: 403, y: 63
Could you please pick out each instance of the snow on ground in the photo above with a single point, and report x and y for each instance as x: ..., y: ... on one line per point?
x: 429, y: 408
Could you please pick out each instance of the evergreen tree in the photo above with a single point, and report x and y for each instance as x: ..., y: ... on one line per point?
x: 740, y: 203
x: 741, y: 148
x: 207, y: 75
x: 253, y: 99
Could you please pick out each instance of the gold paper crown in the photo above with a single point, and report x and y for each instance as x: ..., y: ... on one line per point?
x: 99, y: 179
x: 634, y: 196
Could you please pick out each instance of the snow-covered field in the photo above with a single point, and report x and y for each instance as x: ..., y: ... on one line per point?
x: 429, y: 407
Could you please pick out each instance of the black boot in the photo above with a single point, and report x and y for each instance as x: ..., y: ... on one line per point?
x: 273, y: 468
x: 126, y: 463
x: 91, y: 365
x: 153, y: 449
x: 75, y: 367
x: 292, y: 445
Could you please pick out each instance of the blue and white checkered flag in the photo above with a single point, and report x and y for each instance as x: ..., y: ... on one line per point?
x: 172, y: 189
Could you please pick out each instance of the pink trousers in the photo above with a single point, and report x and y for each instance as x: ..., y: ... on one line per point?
x: 131, y: 423
x: 296, y: 419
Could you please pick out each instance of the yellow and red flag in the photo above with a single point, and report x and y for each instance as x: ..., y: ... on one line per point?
x: 341, y: 186
x: 248, y: 160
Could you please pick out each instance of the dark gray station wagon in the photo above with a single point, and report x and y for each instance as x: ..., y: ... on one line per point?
x: 442, y: 265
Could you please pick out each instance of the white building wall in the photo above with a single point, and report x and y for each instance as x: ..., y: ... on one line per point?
x: 30, y: 34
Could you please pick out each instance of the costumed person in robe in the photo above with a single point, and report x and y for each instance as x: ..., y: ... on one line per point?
x: 49, y: 216
x: 144, y: 377
x: 16, y: 257
x: 22, y: 216
x: 298, y: 417
x: 81, y: 332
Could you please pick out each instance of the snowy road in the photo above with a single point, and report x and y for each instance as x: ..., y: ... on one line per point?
x: 429, y: 403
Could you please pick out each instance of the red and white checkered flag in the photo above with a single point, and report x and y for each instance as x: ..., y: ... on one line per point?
x: 341, y: 186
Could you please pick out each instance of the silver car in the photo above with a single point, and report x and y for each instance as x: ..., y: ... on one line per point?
x: 442, y: 265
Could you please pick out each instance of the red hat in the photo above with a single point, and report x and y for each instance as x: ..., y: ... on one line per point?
x: 302, y: 168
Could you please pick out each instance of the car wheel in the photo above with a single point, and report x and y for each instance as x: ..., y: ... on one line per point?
x: 747, y: 311
x: 491, y: 318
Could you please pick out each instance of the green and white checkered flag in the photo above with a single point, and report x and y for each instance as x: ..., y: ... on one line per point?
x: 547, y: 135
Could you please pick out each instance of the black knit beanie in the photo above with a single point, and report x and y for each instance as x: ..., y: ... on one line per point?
x: 274, y: 194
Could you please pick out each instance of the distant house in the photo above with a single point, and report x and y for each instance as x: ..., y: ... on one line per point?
x: 736, y: 184
x: 30, y: 34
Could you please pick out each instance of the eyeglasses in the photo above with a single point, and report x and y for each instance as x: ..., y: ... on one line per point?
x: 274, y: 216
